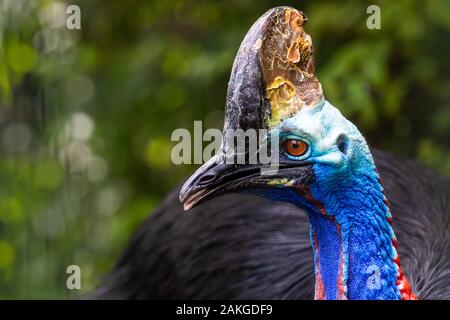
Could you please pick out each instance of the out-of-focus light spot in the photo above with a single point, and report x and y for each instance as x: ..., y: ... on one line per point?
x: 21, y: 57
x: 49, y: 224
x: 80, y: 89
x: 53, y: 15
x: 109, y: 201
x: 7, y: 254
x: 54, y: 40
x: 203, y: 65
x: 11, y: 210
x: 77, y: 156
x: 176, y: 63
x: 158, y: 153
x: 16, y: 138
x: 51, y: 39
x: 101, y: 239
x: 172, y: 96
x: 97, y: 169
x: 48, y: 175
x: 81, y: 126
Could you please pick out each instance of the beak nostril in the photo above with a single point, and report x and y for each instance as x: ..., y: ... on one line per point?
x: 207, y: 178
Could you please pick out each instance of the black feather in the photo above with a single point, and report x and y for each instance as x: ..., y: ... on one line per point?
x: 240, y: 246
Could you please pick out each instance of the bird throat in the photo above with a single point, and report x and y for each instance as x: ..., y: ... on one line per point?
x: 354, y: 244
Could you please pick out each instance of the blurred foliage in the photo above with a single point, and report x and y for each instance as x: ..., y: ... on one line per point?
x: 86, y: 115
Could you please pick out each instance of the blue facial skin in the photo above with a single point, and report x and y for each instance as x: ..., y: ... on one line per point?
x: 351, y: 224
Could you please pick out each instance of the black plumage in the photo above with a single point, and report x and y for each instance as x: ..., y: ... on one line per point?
x: 239, y: 246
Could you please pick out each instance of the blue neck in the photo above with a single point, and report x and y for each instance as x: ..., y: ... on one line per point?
x: 350, y: 233
x: 352, y: 237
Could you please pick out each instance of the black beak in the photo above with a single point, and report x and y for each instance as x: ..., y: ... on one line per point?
x: 215, y: 178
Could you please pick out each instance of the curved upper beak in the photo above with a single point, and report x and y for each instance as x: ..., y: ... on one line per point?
x: 195, y: 187
x: 213, y: 178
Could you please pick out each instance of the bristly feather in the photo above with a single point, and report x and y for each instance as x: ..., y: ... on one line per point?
x: 240, y: 246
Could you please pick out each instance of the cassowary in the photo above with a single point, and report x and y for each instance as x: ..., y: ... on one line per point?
x: 320, y: 226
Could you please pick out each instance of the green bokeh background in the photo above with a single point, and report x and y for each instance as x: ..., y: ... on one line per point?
x: 86, y: 115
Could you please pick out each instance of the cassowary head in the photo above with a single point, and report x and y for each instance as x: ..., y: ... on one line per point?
x: 317, y: 145
x: 323, y: 162
x: 273, y: 86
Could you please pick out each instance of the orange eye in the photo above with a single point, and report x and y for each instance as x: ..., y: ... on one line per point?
x: 295, y: 148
